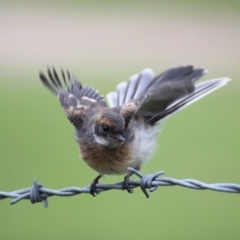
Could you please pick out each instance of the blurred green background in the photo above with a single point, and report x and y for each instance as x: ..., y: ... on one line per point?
x: 104, y: 43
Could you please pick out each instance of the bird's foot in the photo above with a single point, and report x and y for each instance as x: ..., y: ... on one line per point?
x: 126, y: 183
x: 93, y: 189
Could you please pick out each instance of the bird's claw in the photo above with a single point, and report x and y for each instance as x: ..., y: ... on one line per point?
x: 93, y: 189
x: 126, y: 184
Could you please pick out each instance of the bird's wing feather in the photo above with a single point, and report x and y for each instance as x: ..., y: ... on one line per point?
x: 74, y: 98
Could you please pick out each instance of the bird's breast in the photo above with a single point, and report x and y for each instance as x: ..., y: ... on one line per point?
x: 105, y: 160
x: 136, y: 151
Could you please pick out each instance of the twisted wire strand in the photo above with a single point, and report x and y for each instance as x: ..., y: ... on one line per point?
x: 38, y: 193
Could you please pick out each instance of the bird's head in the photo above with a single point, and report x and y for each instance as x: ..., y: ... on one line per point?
x: 109, y: 129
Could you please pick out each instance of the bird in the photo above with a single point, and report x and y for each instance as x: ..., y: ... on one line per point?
x: 112, y: 139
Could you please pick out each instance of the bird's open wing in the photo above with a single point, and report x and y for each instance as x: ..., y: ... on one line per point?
x: 74, y: 98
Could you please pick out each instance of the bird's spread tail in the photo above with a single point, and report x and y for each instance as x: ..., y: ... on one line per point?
x: 201, y: 90
x: 157, y: 97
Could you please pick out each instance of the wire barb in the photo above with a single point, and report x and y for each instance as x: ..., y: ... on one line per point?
x: 37, y: 193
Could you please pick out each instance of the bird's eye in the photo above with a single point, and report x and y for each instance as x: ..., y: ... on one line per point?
x: 105, y: 128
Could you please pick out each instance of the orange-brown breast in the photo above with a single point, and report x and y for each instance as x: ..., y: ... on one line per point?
x: 105, y: 160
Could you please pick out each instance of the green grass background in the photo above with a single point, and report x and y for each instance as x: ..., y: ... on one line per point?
x: 201, y: 142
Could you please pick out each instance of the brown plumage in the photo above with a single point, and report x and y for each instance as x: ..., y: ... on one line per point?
x: 124, y: 135
x: 102, y: 159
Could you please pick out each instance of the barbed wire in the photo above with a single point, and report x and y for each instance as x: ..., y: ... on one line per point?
x: 38, y: 193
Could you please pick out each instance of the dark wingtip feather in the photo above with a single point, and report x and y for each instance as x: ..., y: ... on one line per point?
x: 69, y: 76
x: 53, y: 80
x: 63, y: 76
x: 46, y: 83
x: 56, y: 77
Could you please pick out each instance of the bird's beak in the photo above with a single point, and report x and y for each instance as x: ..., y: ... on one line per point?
x: 121, y: 138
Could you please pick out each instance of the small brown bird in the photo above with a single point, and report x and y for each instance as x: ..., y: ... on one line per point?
x: 124, y: 135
